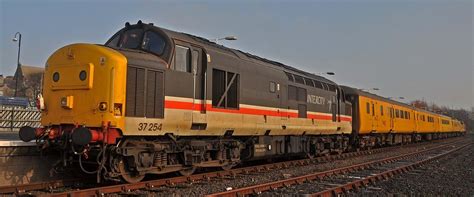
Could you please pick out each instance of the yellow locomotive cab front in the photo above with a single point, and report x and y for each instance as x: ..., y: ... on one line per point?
x: 84, y: 87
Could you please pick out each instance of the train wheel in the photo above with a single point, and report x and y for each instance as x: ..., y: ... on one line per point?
x: 187, y: 171
x: 129, y: 176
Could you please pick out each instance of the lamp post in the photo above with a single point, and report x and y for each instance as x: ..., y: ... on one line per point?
x: 224, y: 38
x: 15, y: 39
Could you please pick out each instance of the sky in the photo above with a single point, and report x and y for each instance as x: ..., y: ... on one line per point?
x: 417, y: 49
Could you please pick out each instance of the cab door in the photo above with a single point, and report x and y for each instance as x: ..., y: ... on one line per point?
x: 199, y: 70
x: 334, y: 108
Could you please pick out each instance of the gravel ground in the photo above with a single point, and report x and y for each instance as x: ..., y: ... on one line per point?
x: 452, y: 175
x: 219, y: 185
x: 329, y: 182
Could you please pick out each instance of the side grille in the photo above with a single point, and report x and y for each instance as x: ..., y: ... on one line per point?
x: 145, y: 93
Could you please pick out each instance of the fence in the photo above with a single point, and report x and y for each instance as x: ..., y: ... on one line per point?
x: 14, y: 117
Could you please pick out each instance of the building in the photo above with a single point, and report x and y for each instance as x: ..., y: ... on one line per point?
x: 30, y: 80
x: 2, y: 83
x: 6, y: 85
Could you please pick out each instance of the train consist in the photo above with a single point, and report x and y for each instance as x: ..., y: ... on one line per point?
x: 153, y: 101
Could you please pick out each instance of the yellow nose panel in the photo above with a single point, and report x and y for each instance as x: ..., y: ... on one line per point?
x: 77, y: 79
x: 72, y: 77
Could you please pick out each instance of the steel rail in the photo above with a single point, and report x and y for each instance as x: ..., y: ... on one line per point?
x: 18, y: 189
x: 355, y: 185
x: 255, y: 189
x: 207, y: 176
x: 22, y: 189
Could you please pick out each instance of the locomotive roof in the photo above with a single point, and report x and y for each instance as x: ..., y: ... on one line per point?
x: 240, y: 54
x: 350, y: 90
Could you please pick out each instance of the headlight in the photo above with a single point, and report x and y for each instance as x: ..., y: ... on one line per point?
x: 67, y: 102
x: 103, y: 106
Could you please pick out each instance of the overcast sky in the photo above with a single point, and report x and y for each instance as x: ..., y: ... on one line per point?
x: 417, y: 49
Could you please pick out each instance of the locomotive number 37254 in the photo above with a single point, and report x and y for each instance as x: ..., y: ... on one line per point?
x: 149, y: 126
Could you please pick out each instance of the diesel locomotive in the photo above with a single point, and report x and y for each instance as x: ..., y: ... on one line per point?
x: 154, y: 101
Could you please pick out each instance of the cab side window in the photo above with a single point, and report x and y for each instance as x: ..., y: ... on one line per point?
x: 182, y: 61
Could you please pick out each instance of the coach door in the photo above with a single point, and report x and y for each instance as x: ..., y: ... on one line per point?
x: 392, y: 116
x: 371, y: 106
x: 375, y: 115
x: 199, y: 70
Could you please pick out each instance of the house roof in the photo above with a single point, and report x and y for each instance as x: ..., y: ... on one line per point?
x: 27, y: 71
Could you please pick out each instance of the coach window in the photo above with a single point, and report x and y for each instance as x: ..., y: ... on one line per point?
x: 182, y: 61
x: 373, y: 109
x: 154, y: 43
x: 397, y: 113
x: 367, y: 107
x: 318, y: 84
x: 381, y: 110
x: 290, y: 77
x: 299, y: 79
x: 325, y: 86
x: 308, y: 82
x: 331, y: 87
x: 272, y: 87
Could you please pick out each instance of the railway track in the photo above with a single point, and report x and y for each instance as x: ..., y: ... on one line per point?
x: 52, y: 187
x: 345, y: 179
